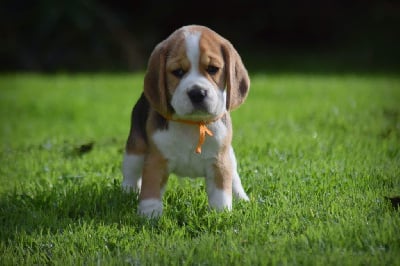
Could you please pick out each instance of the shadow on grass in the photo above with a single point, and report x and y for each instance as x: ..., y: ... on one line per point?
x: 54, y: 207
x: 70, y: 201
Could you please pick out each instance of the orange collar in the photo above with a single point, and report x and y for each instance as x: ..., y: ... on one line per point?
x: 203, y: 129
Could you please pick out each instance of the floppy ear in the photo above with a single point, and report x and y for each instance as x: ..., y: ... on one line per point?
x: 237, y: 79
x: 155, y: 88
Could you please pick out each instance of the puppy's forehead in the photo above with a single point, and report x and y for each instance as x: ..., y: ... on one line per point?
x: 192, y: 38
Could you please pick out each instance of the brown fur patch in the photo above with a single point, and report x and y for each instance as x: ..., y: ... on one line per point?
x: 211, y: 55
x: 223, y: 164
x: 155, y: 175
x: 223, y: 172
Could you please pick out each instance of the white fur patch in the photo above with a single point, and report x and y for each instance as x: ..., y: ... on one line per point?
x: 218, y: 199
x: 192, y: 41
x: 178, y: 144
x: 150, y: 208
x: 132, y: 171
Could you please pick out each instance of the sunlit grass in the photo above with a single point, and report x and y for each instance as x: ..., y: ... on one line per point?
x: 317, y: 155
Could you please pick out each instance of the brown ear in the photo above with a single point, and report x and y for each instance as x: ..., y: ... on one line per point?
x: 155, y: 88
x: 237, y: 79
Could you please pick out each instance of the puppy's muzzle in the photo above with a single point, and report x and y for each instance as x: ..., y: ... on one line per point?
x: 197, y: 94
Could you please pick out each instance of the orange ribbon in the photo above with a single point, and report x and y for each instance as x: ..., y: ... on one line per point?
x: 203, y: 130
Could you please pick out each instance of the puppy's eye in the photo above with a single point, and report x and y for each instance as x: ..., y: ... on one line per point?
x: 179, y: 73
x: 212, y: 70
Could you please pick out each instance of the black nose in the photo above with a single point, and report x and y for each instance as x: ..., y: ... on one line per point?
x: 197, y: 94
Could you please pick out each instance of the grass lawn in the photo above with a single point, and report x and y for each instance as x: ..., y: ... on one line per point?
x: 318, y: 155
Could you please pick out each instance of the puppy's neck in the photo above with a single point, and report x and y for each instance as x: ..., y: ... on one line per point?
x: 203, y: 129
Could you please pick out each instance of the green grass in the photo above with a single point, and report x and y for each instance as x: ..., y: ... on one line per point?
x: 317, y: 155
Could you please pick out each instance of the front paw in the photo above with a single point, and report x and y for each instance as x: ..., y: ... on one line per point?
x: 220, y: 200
x: 150, y: 208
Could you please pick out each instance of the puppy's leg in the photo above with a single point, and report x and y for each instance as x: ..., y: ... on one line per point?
x: 219, y: 198
x: 155, y: 176
x: 237, y: 187
x: 219, y: 183
x: 132, y: 171
x: 136, y: 147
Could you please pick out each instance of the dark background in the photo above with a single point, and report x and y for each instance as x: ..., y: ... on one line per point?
x: 90, y: 35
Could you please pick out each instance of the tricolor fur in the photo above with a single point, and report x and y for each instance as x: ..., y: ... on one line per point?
x: 195, y: 76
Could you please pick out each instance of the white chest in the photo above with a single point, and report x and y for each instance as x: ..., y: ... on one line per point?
x: 178, y: 144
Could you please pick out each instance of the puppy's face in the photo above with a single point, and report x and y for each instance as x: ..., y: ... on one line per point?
x: 196, y: 78
x: 195, y: 74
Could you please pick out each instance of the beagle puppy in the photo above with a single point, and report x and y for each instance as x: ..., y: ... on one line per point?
x: 181, y: 122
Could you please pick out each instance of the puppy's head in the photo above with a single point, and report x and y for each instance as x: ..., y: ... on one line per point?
x: 195, y: 74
